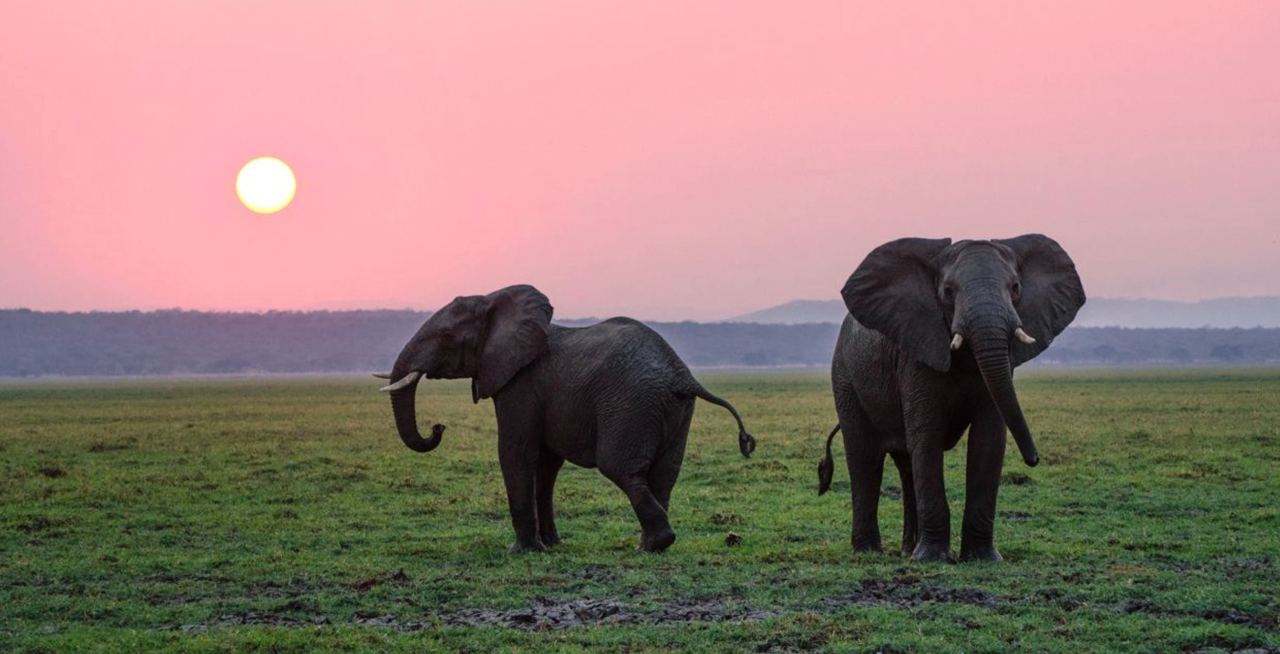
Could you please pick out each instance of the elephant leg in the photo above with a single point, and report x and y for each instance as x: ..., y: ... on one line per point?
x: 932, y: 513
x: 866, y: 470
x: 910, y: 530
x: 518, y: 452
x: 549, y: 464
x: 666, y: 467
x: 983, y: 462
x: 625, y: 455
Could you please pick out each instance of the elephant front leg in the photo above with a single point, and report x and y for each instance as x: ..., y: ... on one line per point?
x: 518, y: 473
x: 932, y: 513
x: 983, y: 463
x: 910, y: 524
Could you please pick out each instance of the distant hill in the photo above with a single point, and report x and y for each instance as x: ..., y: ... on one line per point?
x: 796, y: 312
x: 1243, y: 312
x: 34, y: 344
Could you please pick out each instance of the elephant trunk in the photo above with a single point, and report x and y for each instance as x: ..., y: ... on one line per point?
x: 402, y: 405
x: 991, y: 349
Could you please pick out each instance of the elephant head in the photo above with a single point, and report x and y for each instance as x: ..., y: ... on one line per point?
x: 1000, y: 302
x: 488, y: 338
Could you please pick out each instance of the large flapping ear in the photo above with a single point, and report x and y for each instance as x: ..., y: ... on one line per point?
x: 894, y: 291
x: 1051, y: 291
x: 518, y: 320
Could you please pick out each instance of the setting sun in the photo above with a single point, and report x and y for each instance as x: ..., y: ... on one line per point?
x: 266, y: 185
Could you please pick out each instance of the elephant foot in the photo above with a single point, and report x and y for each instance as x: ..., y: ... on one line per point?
x: 657, y: 541
x: 908, y: 547
x: 986, y: 552
x: 523, y: 548
x: 874, y: 546
x: 940, y: 553
x: 551, y: 538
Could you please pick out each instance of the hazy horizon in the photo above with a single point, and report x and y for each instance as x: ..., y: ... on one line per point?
x: 657, y: 160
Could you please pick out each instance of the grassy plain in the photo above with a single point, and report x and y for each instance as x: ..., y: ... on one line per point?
x: 284, y: 515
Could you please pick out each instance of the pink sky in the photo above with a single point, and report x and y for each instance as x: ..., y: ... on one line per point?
x: 662, y: 160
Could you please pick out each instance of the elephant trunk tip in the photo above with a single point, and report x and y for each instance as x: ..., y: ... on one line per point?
x: 746, y: 443
x: 1026, y: 447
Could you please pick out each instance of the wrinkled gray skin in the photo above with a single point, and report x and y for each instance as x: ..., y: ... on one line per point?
x: 612, y: 396
x: 901, y: 390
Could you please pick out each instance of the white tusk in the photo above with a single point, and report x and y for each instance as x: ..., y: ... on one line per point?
x: 381, y: 375
x: 956, y: 342
x: 1023, y: 336
x: 408, y: 379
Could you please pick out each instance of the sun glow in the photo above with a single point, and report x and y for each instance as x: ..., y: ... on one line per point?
x: 266, y: 185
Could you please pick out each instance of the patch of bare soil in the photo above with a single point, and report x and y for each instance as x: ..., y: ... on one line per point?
x: 1222, y: 616
x: 398, y: 578
x: 255, y: 618
x: 907, y: 593
x: 545, y: 614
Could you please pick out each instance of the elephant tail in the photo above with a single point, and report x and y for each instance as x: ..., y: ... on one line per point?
x: 827, y: 466
x: 746, y: 442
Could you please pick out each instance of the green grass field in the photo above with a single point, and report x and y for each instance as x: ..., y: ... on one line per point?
x: 285, y: 515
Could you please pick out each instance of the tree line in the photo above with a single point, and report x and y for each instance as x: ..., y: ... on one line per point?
x: 36, y: 343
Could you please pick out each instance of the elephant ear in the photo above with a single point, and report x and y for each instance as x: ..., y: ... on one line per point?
x: 518, y: 320
x: 1051, y: 291
x: 894, y: 291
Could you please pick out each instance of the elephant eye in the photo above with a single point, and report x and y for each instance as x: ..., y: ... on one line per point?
x: 1016, y: 290
x: 948, y: 292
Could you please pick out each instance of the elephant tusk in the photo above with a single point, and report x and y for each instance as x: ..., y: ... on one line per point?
x: 381, y: 375
x: 405, y: 381
x: 1023, y: 336
x: 956, y: 342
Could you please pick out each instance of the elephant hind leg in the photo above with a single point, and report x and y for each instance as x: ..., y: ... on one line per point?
x: 625, y: 455
x: 549, y: 464
x: 866, y: 470
x: 666, y: 466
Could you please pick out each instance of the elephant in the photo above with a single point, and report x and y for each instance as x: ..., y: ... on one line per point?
x: 612, y: 395
x: 926, y: 351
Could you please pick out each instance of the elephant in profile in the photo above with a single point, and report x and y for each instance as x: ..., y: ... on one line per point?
x: 927, y: 351
x: 612, y: 396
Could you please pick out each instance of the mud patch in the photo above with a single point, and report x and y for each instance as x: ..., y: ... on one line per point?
x: 1015, y: 516
x: 52, y: 472
x: 1221, y: 616
x: 595, y: 573
x: 907, y: 593
x: 112, y: 446
x: 726, y: 519
x: 1015, y: 478
x: 544, y: 614
x: 254, y: 618
x: 398, y: 578
x: 44, y: 525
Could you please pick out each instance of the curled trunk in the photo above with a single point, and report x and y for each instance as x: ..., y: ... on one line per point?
x: 991, y: 348
x: 402, y: 405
